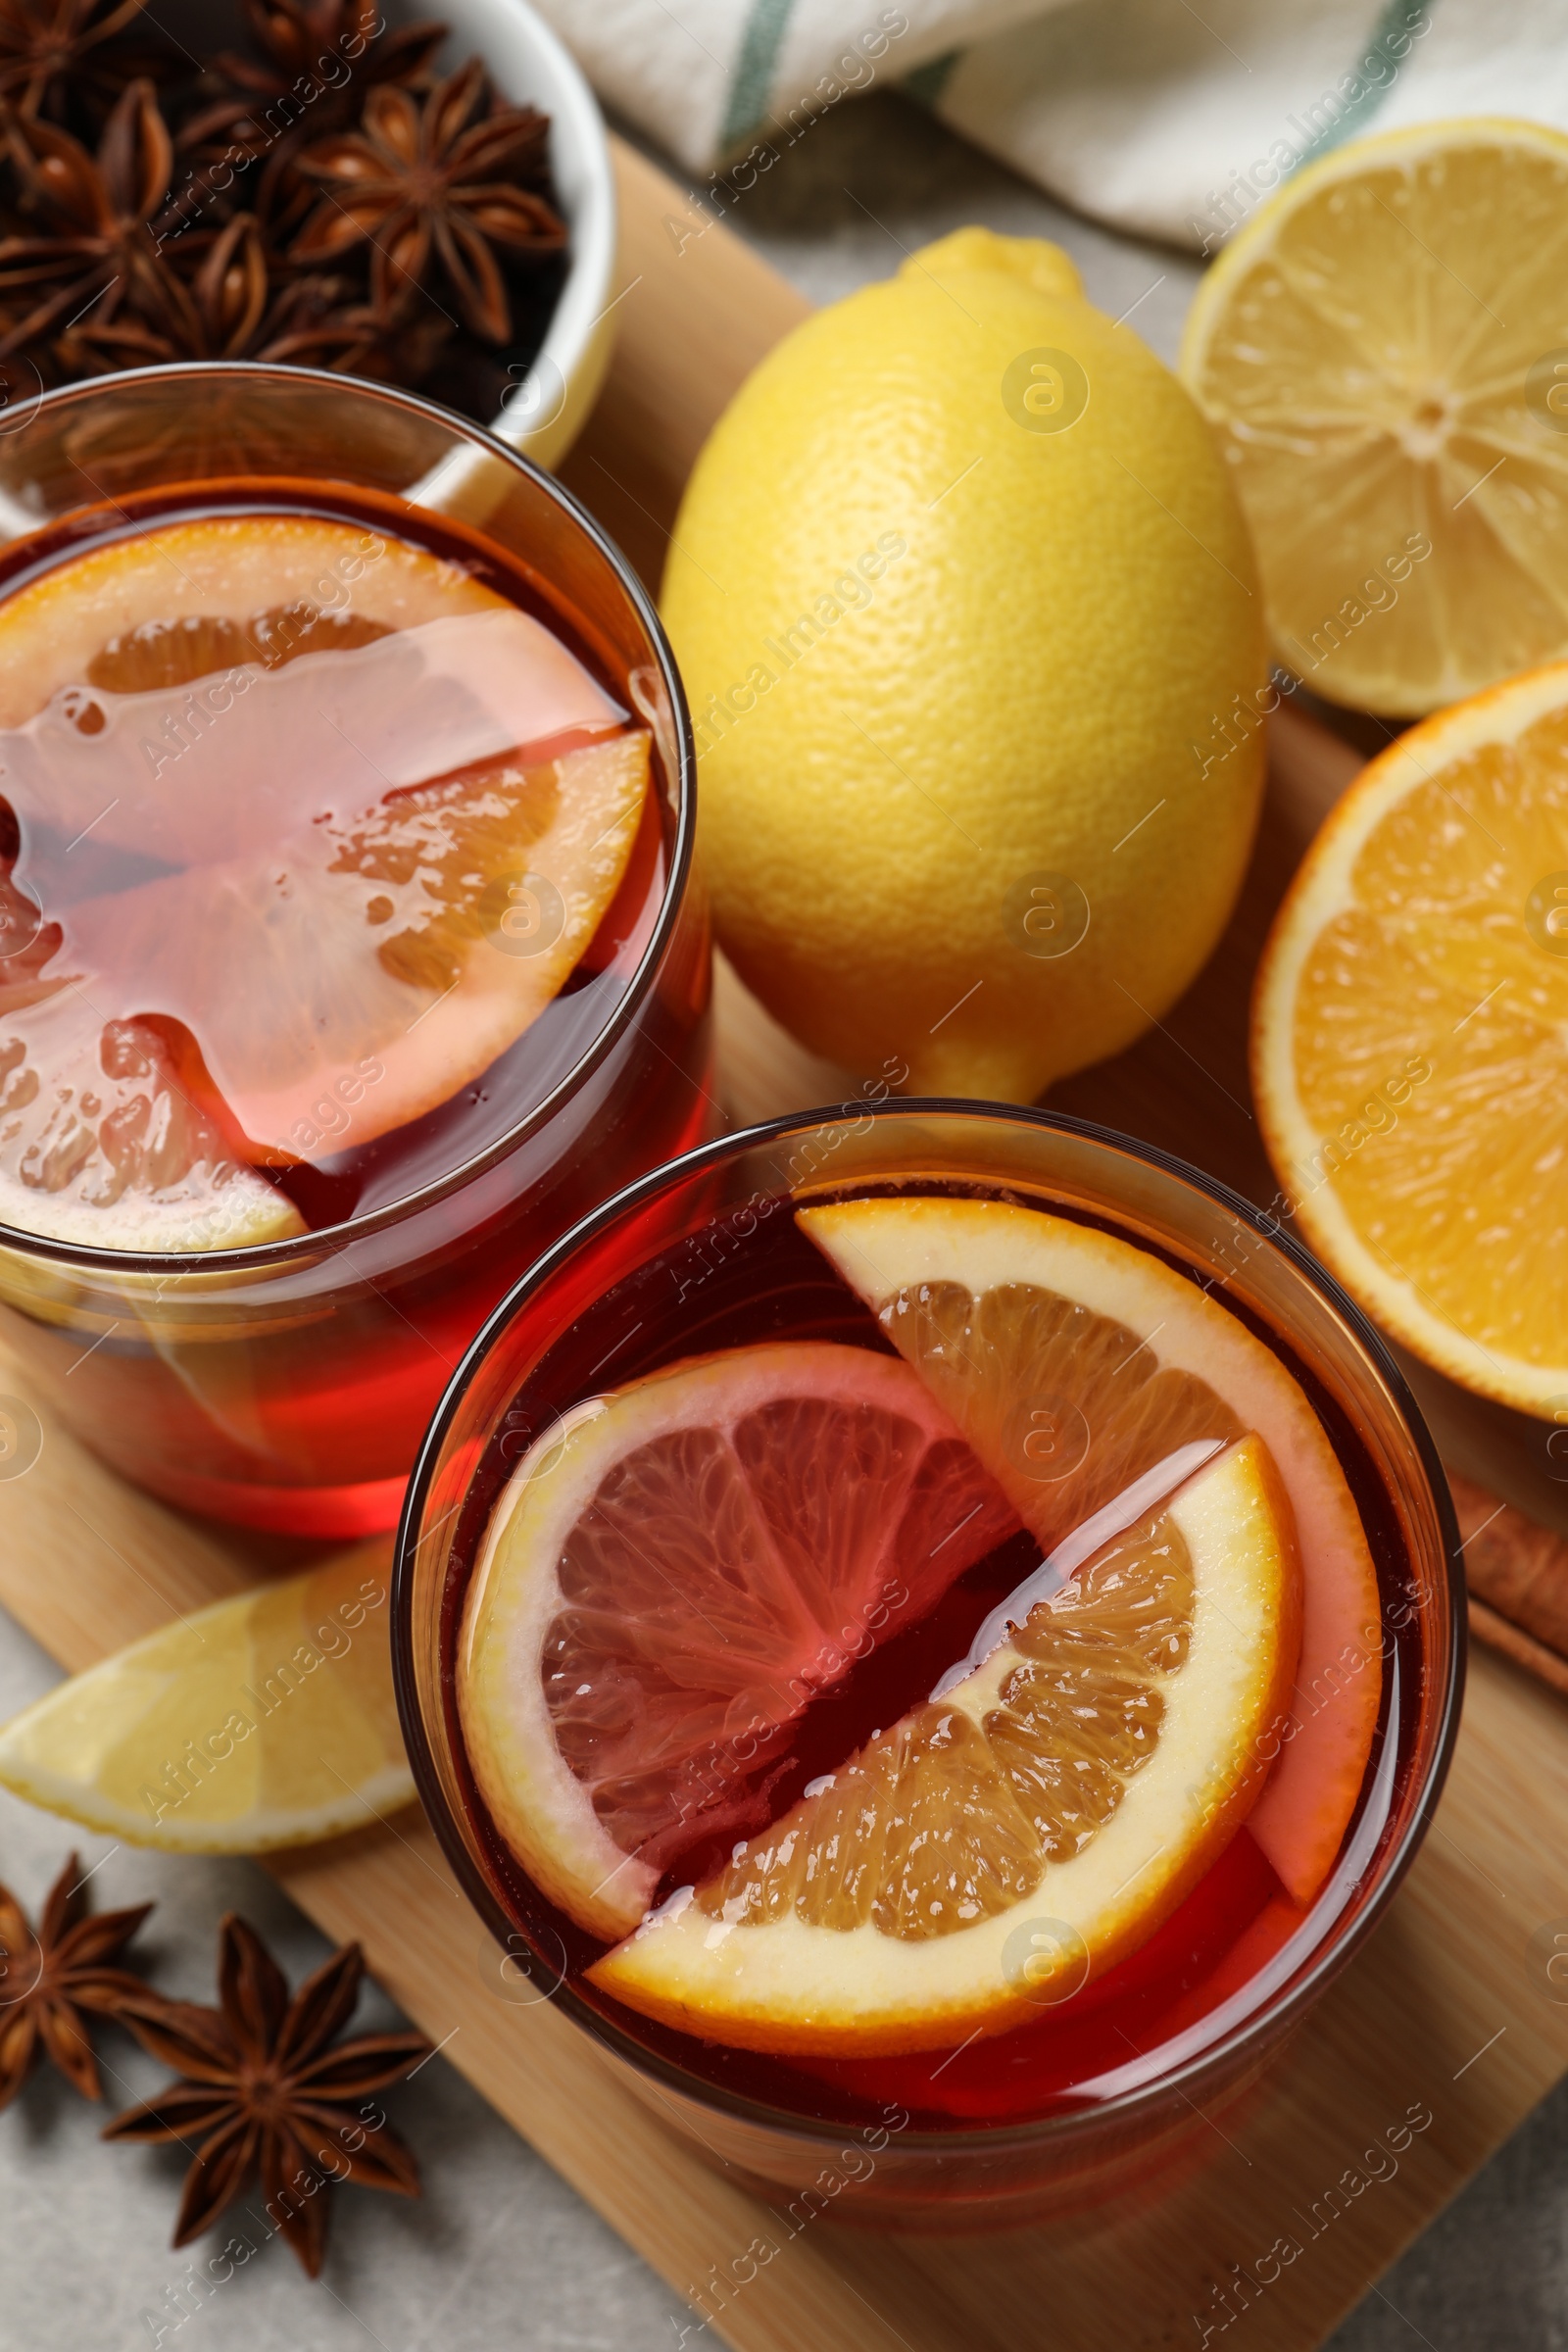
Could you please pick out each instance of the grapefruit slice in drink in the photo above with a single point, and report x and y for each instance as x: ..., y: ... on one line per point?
x: 314, y: 817
x: 1030, y: 1824
x: 672, y: 1578
x: 1071, y: 1361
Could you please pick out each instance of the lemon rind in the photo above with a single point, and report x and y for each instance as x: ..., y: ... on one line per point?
x: 52, y: 1753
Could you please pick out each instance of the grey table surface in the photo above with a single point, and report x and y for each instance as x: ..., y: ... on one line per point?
x: 500, y: 2252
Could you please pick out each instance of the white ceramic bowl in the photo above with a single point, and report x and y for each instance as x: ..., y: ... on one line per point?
x: 545, y: 413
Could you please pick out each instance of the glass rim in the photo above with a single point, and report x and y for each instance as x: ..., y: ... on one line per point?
x: 1278, y: 2013
x: 327, y: 1240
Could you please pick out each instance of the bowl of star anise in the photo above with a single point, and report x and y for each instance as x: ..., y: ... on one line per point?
x: 337, y: 184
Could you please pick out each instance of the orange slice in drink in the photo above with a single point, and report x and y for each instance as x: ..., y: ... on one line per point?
x: 318, y: 820
x: 1031, y: 1823
x: 1410, y: 1042
x: 673, y: 1575
x: 1073, y: 1362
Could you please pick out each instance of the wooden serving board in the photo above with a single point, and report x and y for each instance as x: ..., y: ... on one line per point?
x: 1450, y: 2013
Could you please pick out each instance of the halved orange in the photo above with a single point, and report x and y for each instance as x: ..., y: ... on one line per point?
x: 1026, y: 1828
x: 1410, y: 1042
x: 353, y: 818
x: 673, y: 1575
x: 1073, y: 1361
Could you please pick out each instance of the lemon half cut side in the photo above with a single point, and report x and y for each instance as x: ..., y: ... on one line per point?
x: 1383, y: 352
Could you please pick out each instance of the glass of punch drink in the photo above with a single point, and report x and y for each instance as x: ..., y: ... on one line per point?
x: 348, y: 952
x: 934, y: 1612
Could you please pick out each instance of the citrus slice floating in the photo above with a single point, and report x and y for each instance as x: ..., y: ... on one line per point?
x: 1032, y: 1824
x: 672, y: 1576
x: 266, y: 1720
x: 111, y: 1147
x: 1383, y: 349
x: 387, y: 956
x: 318, y: 821
x: 1410, y: 1042
x: 1073, y: 1362
x: 166, y: 606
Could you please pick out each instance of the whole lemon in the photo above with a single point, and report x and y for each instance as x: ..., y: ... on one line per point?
x: 970, y: 625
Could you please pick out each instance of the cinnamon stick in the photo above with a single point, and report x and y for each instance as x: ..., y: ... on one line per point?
x: 1518, y: 1577
x: 1523, y: 1649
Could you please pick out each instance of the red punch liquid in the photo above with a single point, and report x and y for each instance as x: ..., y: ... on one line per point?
x: 753, y: 1277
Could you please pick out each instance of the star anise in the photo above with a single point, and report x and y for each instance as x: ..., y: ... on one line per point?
x: 319, y: 58
x: 299, y: 36
x: 265, y: 2091
x: 434, y: 181
x: 234, y: 312
x: 100, y: 253
x: 50, y: 1976
x: 45, y: 44
x: 228, y: 296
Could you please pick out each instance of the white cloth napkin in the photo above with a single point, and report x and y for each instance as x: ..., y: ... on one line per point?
x: 1156, y: 115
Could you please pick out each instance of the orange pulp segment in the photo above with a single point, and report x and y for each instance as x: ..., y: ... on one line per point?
x: 1073, y: 1361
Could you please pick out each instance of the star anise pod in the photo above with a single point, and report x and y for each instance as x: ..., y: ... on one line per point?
x: 229, y: 314
x: 46, y: 44
x: 50, y: 1976
x: 301, y: 87
x: 237, y: 313
x: 433, y: 181
x: 100, y: 253
x: 298, y: 36
x: 265, y: 2091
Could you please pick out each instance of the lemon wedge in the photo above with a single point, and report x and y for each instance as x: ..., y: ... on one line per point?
x: 266, y: 1720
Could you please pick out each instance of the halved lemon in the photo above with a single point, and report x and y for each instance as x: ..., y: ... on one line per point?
x: 1034, y: 1823
x: 1073, y: 1362
x: 1382, y: 350
x: 1410, y: 1042
x: 266, y: 1720
x: 674, y: 1573
x: 306, y: 827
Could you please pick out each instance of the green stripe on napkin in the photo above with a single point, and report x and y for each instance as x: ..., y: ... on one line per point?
x: 753, y: 70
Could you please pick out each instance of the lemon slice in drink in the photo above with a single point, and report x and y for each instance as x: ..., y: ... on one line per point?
x: 1410, y: 1041
x: 1025, y: 1828
x: 266, y: 1720
x: 1382, y: 351
x: 1072, y: 1363
x: 672, y: 1578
